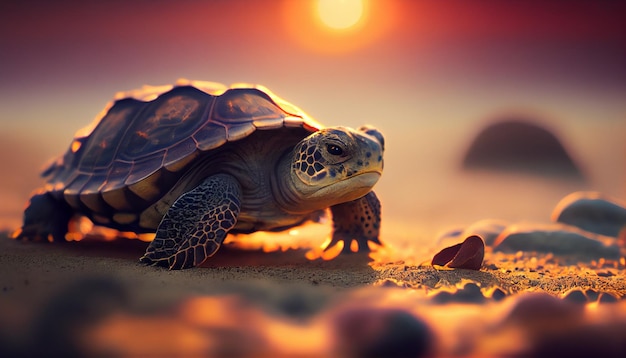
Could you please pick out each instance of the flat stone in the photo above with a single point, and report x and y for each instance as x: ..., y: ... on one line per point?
x: 592, y: 211
x: 557, y: 239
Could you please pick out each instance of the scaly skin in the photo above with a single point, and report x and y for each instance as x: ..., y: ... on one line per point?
x: 196, y: 224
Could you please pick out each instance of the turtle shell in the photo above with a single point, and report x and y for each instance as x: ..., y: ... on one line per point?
x: 144, y: 137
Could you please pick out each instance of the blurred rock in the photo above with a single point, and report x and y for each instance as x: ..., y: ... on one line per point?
x: 557, y: 239
x: 606, y: 297
x: 592, y: 212
x: 470, y: 293
x: 592, y: 294
x: 498, y: 294
x: 538, y: 311
x: 381, y: 332
x: 488, y: 229
x: 56, y: 330
x: 575, y: 295
x: 559, y: 328
x: 590, y: 340
x: 519, y: 145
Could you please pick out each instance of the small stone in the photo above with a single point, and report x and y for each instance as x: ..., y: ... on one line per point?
x: 592, y: 211
x: 389, y: 282
x: 491, y: 266
x: 592, y: 294
x: 575, y: 295
x: 606, y: 273
x: 498, y: 294
x: 557, y: 239
x: 537, y: 310
x: 380, y: 332
x: 602, y: 339
x: 606, y: 297
x: 470, y: 293
x: 449, y: 235
x: 488, y: 229
x: 443, y: 297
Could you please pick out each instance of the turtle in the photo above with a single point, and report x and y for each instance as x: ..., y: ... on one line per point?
x: 194, y: 161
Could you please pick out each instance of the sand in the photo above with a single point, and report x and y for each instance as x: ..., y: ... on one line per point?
x: 317, y: 294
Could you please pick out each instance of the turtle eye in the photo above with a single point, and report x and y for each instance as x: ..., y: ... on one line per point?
x: 334, y: 149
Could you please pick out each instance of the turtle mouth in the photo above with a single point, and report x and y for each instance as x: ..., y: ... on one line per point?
x: 350, y: 188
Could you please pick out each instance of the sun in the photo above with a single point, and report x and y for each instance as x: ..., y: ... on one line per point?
x: 340, y: 14
x: 338, y: 26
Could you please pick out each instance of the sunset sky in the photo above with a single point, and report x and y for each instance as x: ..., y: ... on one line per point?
x: 427, y: 73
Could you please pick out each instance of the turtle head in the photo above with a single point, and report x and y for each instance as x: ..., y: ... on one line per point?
x: 336, y: 165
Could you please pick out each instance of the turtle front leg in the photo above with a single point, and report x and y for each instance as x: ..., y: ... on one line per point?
x: 357, y: 220
x: 45, y: 219
x: 196, y: 224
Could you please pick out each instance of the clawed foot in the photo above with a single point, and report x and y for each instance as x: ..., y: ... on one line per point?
x: 356, y: 224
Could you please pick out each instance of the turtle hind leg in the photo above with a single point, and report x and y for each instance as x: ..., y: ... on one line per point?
x: 356, y: 221
x: 195, y: 226
x: 45, y: 219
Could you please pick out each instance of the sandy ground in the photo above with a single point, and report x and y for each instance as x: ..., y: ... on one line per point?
x: 37, y: 278
x: 30, y: 266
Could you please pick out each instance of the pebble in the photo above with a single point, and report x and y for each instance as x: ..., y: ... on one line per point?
x: 470, y: 293
x: 606, y: 273
x: 598, y: 340
x: 488, y: 229
x: 557, y: 239
x: 575, y: 295
x: 592, y: 211
x: 381, y: 332
x: 538, y: 310
x: 498, y: 294
x: 592, y: 294
x: 606, y: 297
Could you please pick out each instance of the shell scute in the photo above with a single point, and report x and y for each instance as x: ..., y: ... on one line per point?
x: 180, y: 150
x: 74, y: 189
x: 245, y: 104
x: 238, y: 131
x: 172, y: 117
x: 143, y: 168
x: 100, y: 149
x: 118, y: 199
x: 211, y: 136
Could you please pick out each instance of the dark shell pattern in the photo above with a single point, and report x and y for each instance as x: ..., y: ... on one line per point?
x: 145, y: 135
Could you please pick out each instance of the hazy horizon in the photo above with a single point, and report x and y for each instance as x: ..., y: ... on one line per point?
x: 428, y: 74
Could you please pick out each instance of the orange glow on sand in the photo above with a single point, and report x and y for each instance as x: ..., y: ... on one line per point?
x: 80, y: 227
x: 334, y: 28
